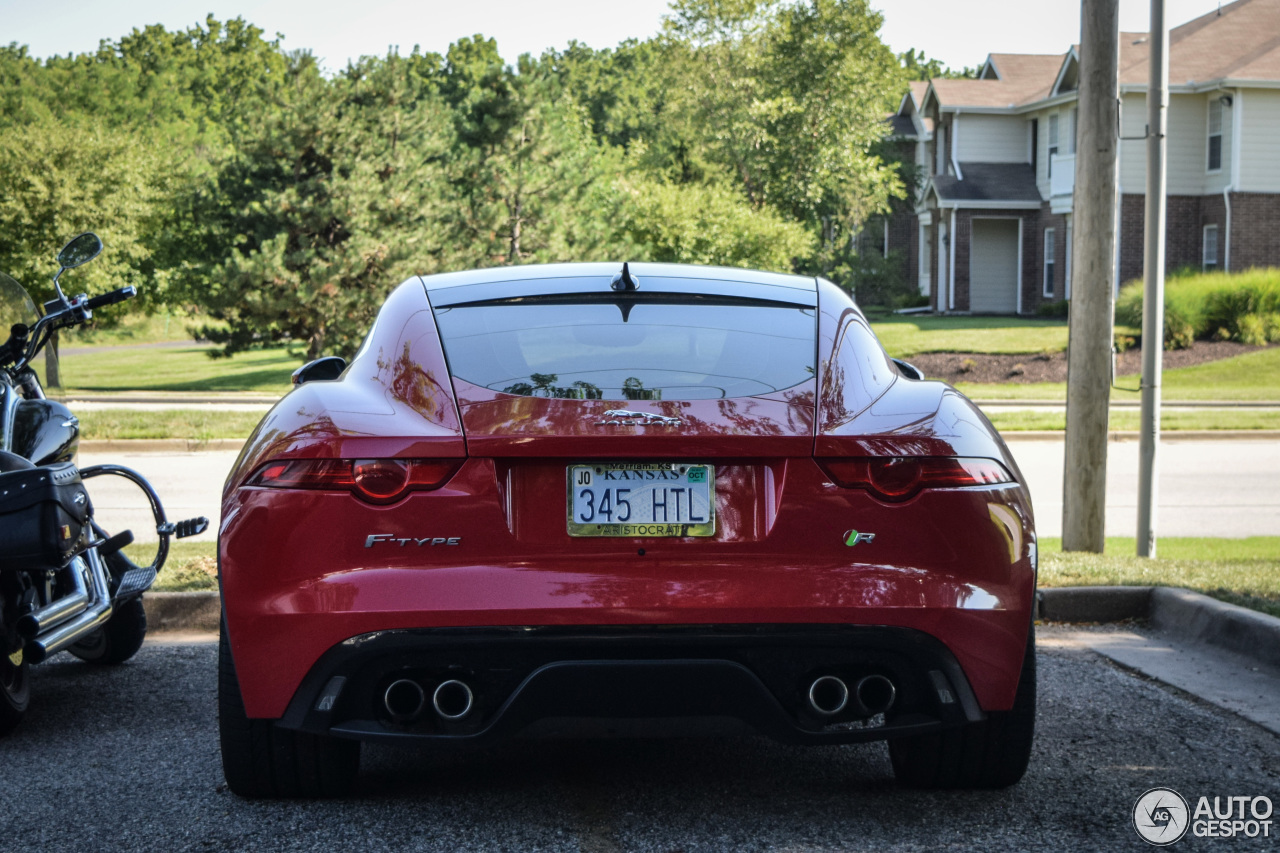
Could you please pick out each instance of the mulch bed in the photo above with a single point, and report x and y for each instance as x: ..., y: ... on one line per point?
x: 956, y: 367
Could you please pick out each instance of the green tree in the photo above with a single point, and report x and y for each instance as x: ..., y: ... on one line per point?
x: 916, y: 66
x: 330, y: 200
x: 56, y: 182
x: 531, y: 182
x: 702, y: 224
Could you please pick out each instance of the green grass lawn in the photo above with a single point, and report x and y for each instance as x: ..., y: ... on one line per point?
x: 1128, y: 420
x: 904, y: 336
x: 190, y: 566
x: 133, y: 328
x: 1252, y: 376
x: 1238, y: 571
x: 179, y: 369
x: 190, y: 424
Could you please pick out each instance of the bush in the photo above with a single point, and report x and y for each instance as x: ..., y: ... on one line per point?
x: 1054, y: 309
x: 1213, y: 305
x: 1252, y: 329
x: 1272, y: 325
x: 1179, y: 330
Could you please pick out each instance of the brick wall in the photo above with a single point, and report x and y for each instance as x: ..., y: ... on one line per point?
x: 964, y: 232
x: 1255, y: 230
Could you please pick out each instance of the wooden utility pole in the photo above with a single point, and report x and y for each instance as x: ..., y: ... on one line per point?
x: 1092, y: 291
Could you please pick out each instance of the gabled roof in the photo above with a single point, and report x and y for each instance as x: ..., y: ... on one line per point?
x: 992, y: 184
x: 1023, y: 78
x: 1239, y: 42
x: 909, y: 121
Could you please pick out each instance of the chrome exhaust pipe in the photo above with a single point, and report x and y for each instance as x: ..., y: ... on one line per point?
x: 875, y: 694
x: 72, y: 604
x: 60, y: 636
x: 828, y: 695
x: 404, y: 700
x: 453, y: 700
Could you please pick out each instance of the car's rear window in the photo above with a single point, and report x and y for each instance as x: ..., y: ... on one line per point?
x: 657, y: 349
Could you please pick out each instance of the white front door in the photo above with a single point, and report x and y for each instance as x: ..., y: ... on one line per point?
x: 993, y: 267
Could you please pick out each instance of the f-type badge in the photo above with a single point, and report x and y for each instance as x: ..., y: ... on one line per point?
x: 625, y: 417
x: 380, y: 538
x: 853, y: 537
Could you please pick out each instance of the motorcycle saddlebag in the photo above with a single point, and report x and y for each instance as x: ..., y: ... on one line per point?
x: 43, y: 515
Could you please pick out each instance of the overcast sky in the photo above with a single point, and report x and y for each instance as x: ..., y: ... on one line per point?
x: 959, y: 32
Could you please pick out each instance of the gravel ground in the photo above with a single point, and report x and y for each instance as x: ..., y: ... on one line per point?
x: 127, y: 759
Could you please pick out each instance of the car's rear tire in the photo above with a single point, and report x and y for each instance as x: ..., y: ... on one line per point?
x: 260, y: 759
x: 119, y: 639
x: 991, y: 754
x: 15, y: 692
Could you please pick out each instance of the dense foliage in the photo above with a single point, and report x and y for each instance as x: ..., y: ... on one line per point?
x: 236, y: 180
x: 1242, y: 307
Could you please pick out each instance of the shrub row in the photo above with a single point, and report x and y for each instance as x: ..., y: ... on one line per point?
x: 1242, y: 307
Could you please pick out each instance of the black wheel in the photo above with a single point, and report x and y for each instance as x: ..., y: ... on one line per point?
x: 15, y: 691
x: 119, y: 639
x: 990, y: 754
x: 260, y: 759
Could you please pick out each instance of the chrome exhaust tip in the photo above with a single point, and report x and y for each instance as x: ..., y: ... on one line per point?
x: 453, y: 700
x: 828, y: 695
x: 875, y: 694
x: 404, y: 700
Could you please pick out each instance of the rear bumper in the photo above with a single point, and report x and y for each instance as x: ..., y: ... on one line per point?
x: 634, y: 681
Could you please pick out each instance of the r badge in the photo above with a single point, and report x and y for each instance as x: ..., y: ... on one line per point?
x: 853, y: 537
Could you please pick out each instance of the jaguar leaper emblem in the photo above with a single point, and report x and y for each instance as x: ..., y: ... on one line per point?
x: 626, y: 417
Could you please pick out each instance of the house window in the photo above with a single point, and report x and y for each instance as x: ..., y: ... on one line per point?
x: 1049, y: 262
x: 1210, y: 247
x: 1073, y: 130
x: 1215, y: 134
x: 1053, y: 141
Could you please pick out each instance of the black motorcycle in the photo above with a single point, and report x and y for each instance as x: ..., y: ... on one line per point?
x: 65, y: 583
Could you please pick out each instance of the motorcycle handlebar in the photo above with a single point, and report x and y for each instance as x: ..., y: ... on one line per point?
x: 113, y: 297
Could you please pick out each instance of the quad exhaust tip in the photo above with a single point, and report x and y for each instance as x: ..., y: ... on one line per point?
x: 453, y: 700
x: 404, y: 700
x: 875, y: 694
x: 828, y: 695
x: 872, y: 694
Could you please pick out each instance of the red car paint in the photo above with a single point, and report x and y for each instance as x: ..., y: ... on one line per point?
x: 300, y: 575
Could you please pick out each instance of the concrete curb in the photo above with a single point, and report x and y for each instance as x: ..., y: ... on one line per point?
x: 1187, y: 615
x: 1207, y: 620
x: 182, y: 611
x: 1093, y: 603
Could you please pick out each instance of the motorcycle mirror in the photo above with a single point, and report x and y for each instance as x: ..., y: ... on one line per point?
x: 82, y: 249
x: 79, y: 251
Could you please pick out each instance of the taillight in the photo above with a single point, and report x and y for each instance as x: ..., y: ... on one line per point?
x: 897, y: 478
x: 373, y: 480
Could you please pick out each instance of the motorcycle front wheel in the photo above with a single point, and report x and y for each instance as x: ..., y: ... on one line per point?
x: 15, y: 691
x: 119, y: 639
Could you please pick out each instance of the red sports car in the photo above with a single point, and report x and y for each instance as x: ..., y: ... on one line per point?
x: 591, y: 500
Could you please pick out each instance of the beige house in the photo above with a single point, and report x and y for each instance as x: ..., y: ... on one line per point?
x: 992, y: 227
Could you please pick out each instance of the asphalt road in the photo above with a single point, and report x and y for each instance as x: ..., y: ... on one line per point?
x: 127, y: 759
x: 1207, y: 488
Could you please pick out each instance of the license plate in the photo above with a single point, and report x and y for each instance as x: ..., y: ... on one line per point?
x: 642, y: 499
